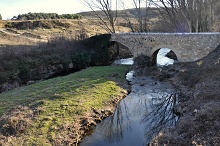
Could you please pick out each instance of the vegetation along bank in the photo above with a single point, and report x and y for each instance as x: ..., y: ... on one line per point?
x: 199, y: 104
x: 61, y: 110
x: 23, y: 64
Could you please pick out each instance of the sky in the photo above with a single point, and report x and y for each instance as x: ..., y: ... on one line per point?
x: 10, y: 8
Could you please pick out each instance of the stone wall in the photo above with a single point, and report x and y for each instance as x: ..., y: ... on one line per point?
x: 187, y: 46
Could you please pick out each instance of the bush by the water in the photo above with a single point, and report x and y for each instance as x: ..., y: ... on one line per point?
x: 20, y: 64
x: 100, y: 52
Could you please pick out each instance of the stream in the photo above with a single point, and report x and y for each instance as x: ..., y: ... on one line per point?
x: 140, y: 116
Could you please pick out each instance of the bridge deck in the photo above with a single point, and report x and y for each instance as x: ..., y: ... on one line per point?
x: 155, y: 33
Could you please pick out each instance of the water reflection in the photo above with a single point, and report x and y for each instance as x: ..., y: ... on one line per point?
x: 138, y: 117
x: 161, y: 116
x: 113, y: 127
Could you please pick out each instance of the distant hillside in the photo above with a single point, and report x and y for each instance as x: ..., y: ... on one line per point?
x: 154, y: 25
x: 28, y: 32
x: 17, y: 32
x: 131, y: 13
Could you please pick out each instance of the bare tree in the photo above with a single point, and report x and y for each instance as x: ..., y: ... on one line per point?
x: 127, y: 17
x: 147, y: 8
x: 170, y: 13
x: 140, y: 16
x: 137, y: 5
x: 188, y: 15
x: 103, y: 9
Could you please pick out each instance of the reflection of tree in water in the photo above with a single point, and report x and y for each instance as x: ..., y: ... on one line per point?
x: 112, y: 127
x: 155, y: 114
x: 141, y: 105
x: 161, y: 116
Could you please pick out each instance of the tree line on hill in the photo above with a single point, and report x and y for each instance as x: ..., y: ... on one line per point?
x: 38, y: 16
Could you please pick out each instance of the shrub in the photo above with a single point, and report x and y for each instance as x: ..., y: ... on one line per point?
x: 24, y: 67
x: 4, y: 76
x: 25, y: 63
x: 9, y: 25
x: 8, y: 71
x: 47, y: 25
x: 102, y: 56
x: 99, y: 45
x: 65, y: 61
x: 81, y: 60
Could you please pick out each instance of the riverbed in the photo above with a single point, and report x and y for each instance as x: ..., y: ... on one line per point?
x: 139, y: 116
x: 142, y: 114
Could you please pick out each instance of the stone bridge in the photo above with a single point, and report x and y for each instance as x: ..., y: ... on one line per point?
x: 187, y: 46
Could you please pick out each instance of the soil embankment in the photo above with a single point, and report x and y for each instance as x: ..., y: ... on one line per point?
x: 199, y: 105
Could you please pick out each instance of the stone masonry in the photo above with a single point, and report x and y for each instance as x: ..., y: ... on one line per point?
x: 188, y: 47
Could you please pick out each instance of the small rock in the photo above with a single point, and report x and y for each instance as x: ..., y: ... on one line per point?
x: 142, y: 84
x: 95, y: 111
x: 30, y: 82
x: 195, y: 111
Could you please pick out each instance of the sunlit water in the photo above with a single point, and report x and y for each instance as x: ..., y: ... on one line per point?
x: 127, y: 61
x: 162, y: 59
x: 139, y: 116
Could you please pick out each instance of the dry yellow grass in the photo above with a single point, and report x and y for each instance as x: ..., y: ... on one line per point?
x: 76, y: 28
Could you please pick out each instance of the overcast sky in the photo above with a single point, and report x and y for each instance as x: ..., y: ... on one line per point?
x: 10, y: 8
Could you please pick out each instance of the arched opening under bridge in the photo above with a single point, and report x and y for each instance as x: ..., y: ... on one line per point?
x: 164, y: 55
x: 121, y: 50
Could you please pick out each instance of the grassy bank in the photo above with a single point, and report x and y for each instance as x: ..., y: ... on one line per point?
x: 51, y: 112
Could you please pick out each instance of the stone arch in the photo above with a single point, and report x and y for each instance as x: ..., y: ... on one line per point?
x: 155, y: 50
x: 123, y: 47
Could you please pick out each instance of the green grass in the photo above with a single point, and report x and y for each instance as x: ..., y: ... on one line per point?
x: 63, y: 99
